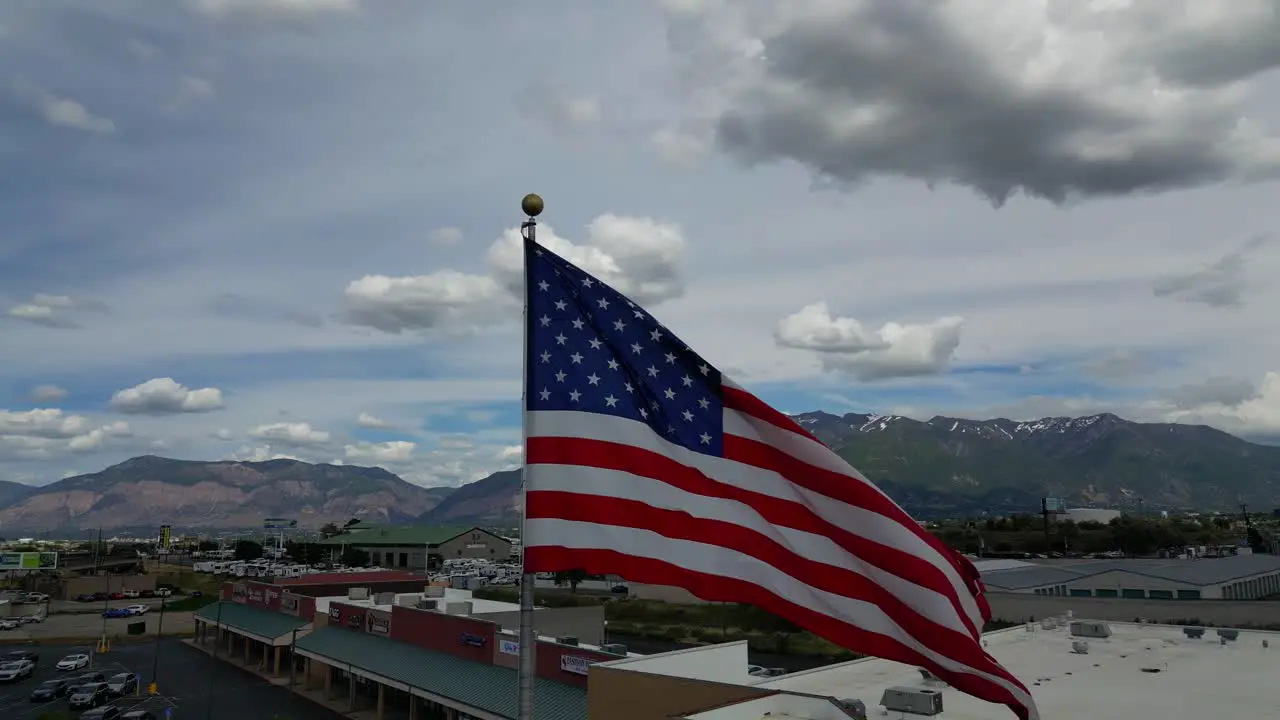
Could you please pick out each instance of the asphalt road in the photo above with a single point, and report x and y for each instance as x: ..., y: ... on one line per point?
x: 192, y: 686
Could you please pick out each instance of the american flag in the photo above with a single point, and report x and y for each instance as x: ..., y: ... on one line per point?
x: 643, y: 460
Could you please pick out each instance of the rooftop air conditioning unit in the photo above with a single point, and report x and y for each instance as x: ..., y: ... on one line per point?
x: 409, y: 600
x: 428, y: 604
x: 1227, y: 634
x: 1194, y: 632
x: 1080, y: 647
x: 914, y: 700
x: 461, y: 607
x: 1090, y: 629
x: 357, y: 593
x: 567, y: 640
x: 435, y: 591
x: 614, y: 649
x: 384, y: 598
x: 854, y: 708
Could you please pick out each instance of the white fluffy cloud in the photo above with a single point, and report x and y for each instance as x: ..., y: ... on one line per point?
x: 640, y: 257
x: 395, y: 452
x: 373, y: 422
x: 56, y: 311
x: 293, y: 435
x: 274, y: 9
x: 894, y: 350
x: 48, y: 434
x: 165, y: 396
x: 1054, y: 99
x: 48, y: 394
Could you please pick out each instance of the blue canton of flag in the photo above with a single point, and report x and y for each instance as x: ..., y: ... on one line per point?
x: 593, y: 350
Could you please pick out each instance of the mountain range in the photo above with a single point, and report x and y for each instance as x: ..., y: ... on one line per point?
x: 936, y: 468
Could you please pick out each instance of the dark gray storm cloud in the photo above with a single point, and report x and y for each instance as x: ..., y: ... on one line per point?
x: 1026, y: 101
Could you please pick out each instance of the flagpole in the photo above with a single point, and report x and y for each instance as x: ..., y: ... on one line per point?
x: 532, y: 207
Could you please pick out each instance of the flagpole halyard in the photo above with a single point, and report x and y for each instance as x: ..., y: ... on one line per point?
x: 532, y: 207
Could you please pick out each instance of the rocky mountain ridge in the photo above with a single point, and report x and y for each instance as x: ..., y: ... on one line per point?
x: 936, y: 468
x: 149, y: 491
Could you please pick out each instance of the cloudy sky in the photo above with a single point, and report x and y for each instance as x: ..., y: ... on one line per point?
x: 259, y: 228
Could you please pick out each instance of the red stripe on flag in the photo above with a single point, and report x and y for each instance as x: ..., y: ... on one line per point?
x: 716, y: 588
x: 840, y: 486
x: 679, y: 525
x: 627, y: 458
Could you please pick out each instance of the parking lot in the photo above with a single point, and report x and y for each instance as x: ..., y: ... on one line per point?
x: 190, y: 685
x: 93, y: 625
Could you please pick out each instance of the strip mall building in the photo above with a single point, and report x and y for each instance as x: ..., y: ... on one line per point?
x: 384, y: 645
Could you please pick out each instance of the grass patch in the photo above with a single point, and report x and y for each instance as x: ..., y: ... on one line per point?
x: 188, y: 603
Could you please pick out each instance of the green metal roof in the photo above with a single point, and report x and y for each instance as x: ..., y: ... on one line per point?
x: 399, y: 535
x: 252, y: 620
x: 491, y: 688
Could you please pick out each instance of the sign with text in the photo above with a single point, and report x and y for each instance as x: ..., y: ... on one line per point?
x: 279, y: 524
x: 289, y: 603
x: 335, y: 612
x: 240, y: 592
x: 473, y: 640
x: 574, y: 664
x: 509, y: 647
x: 378, y: 622
x: 28, y: 561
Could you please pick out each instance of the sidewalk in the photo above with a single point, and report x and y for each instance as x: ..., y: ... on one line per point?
x: 316, y: 696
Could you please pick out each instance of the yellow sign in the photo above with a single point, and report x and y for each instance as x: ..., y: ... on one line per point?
x: 164, y: 536
x: 152, y: 689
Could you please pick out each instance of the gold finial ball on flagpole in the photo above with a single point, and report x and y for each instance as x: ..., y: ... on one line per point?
x: 531, y: 205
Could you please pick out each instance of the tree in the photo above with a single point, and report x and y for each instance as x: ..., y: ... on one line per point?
x: 328, y: 530
x: 306, y: 553
x: 354, y: 557
x: 207, y: 545
x: 248, y: 550
x: 571, y: 578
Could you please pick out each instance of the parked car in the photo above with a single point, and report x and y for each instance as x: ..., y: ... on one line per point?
x: 89, y: 695
x: 116, y: 596
x: 28, y: 619
x: 7, y: 624
x: 73, y: 662
x: 148, y: 593
x: 84, y: 597
x: 16, y: 670
x: 166, y: 592
x: 130, y: 594
x: 138, y: 609
x: 122, y: 684
x: 50, y: 690
x: 138, y: 715
x: 116, y: 613
x: 106, y: 712
x: 90, y: 677
x: 14, y: 655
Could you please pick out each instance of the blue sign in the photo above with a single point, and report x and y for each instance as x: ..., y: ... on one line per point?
x: 472, y: 640
x: 168, y: 713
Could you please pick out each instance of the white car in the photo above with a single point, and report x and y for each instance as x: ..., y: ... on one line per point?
x: 138, y: 609
x: 73, y: 662
x: 16, y: 670
x: 130, y: 593
x: 8, y: 624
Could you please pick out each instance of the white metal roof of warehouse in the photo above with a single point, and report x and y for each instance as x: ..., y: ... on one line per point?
x: 478, y: 606
x: 1200, y: 571
x: 1141, y: 671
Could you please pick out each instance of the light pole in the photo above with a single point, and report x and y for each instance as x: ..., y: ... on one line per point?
x: 155, y: 660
